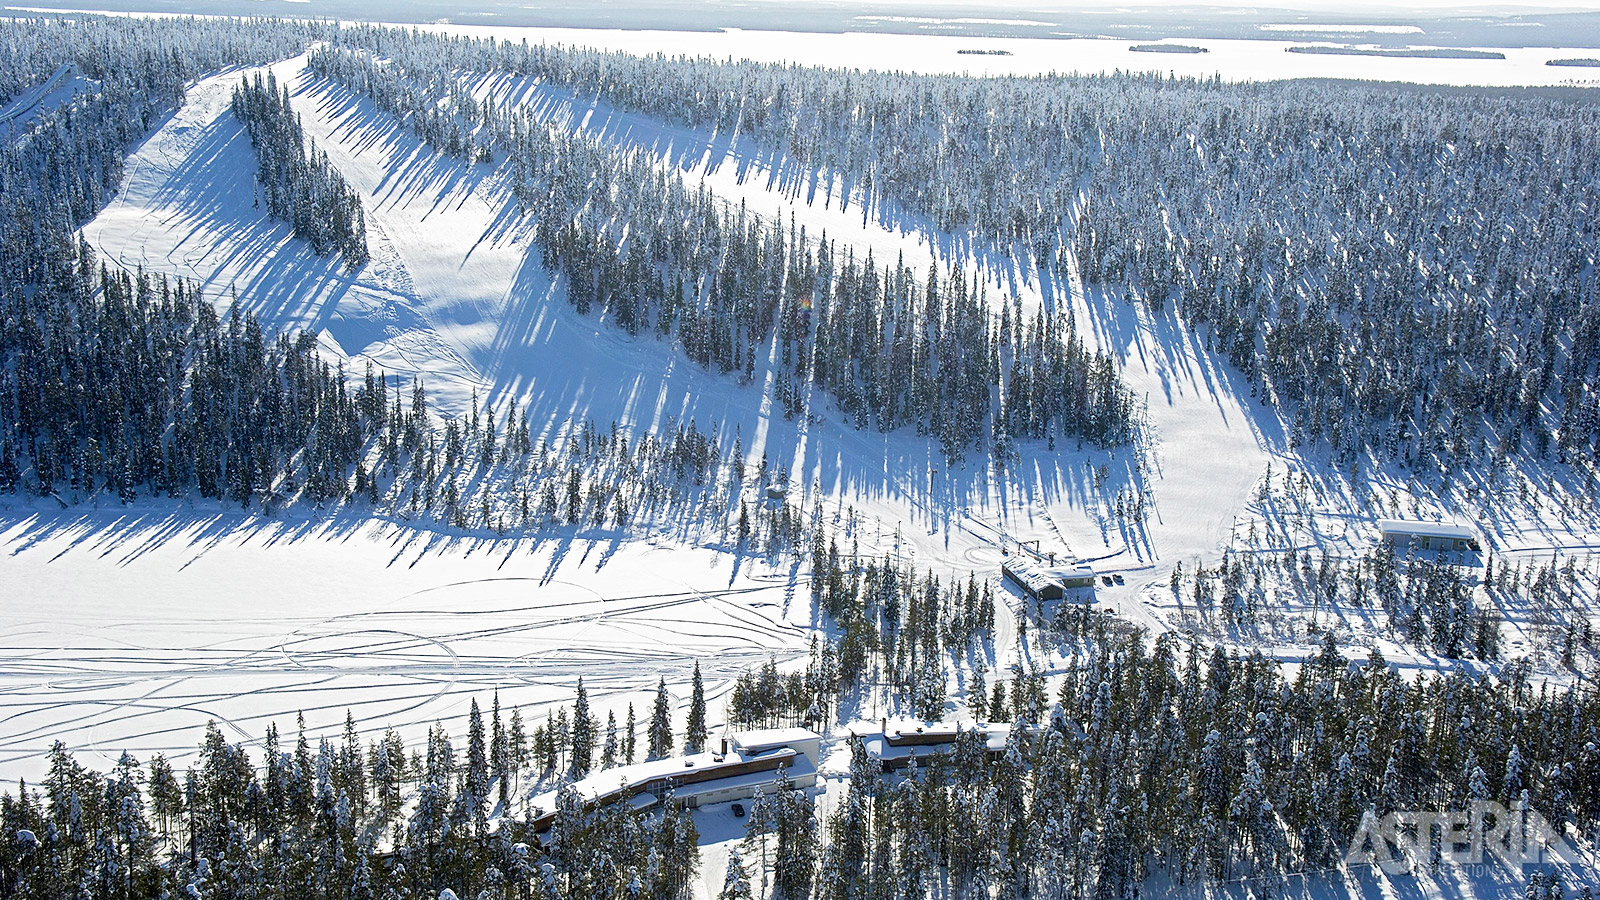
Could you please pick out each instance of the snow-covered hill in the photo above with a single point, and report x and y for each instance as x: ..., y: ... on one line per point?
x: 455, y: 295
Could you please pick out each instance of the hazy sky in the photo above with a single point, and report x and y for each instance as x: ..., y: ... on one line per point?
x: 1387, y: 10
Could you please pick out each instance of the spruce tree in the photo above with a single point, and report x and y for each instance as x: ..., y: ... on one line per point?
x: 630, y: 741
x: 694, y: 739
x: 608, y: 754
x: 736, y: 884
x: 499, y: 753
x: 477, y: 760
x: 582, y: 734
x: 660, y: 734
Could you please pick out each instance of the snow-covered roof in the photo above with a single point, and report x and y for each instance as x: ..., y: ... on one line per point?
x: 904, y: 738
x: 1418, y: 526
x: 945, y: 730
x: 909, y: 731
x: 796, y: 768
x: 645, y: 779
x: 608, y: 781
x: 1037, y: 576
x: 771, y: 737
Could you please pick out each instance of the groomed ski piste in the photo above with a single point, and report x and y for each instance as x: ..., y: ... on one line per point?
x: 132, y: 626
x: 63, y: 84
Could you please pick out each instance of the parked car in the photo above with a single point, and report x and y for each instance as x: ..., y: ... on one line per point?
x: 1106, y: 579
x: 1118, y: 577
x: 738, y: 810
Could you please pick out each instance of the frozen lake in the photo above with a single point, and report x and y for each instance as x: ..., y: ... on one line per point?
x: 996, y: 46
x: 1236, y: 60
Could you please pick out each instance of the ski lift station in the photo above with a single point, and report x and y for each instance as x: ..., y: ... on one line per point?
x: 1419, y: 535
x: 1040, y: 582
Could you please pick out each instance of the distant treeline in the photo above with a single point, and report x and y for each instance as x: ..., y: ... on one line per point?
x: 1401, y: 53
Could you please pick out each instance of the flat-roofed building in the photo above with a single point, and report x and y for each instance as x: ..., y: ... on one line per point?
x: 901, y: 740
x: 801, y: 740
x: 1041, y: 582
x: 1420, y: 535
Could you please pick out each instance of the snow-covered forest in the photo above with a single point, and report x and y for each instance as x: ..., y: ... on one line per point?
x: 123, y: 384
x: 891, y: 350
x: 1401, y: 271
x: 1151, y: 763
x: 1401, y: 282
x: 301, y: 188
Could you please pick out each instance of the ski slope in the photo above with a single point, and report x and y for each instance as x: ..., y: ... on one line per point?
x: 453, y: 295
x: 62, y: 85
x: 256, y: 619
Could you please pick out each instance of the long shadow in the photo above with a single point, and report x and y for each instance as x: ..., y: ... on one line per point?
x: 415, y: 171
x: 1177, y: 354
x: 123, y: 536
x: 542, y: 353
x: 230, y: 245
x: 697, y: 152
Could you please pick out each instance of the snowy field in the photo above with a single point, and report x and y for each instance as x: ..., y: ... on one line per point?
x: 129, y: 629
x: 1546, y: 528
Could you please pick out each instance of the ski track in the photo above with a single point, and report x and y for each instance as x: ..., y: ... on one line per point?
x: 84, y: 665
